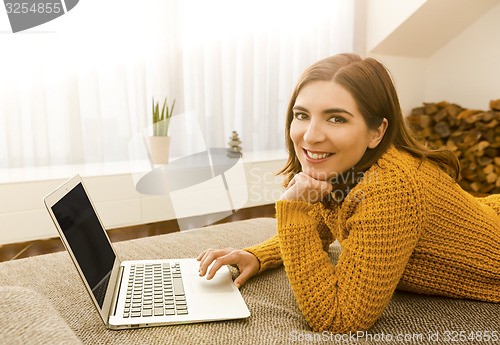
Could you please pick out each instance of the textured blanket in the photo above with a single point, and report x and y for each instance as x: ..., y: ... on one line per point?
x: 57, y: 309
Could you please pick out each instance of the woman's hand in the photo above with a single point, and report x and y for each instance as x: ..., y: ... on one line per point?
x: 306, y: 188
x: 247, y: 263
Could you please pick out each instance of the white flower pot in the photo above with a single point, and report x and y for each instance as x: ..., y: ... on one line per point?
x: 159, y: 146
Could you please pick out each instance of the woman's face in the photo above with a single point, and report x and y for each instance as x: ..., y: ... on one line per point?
x: 328, y: 132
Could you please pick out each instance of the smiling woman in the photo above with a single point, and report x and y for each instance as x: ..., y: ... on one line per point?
x: 396, y: 223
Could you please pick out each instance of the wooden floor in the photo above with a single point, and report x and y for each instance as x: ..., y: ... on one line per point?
x: 26, y: 249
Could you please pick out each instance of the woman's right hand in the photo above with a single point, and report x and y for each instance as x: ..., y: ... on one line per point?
x: 306, y: 188
x: 247, y: 263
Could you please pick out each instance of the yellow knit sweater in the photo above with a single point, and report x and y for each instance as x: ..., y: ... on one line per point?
x: 407, y: 226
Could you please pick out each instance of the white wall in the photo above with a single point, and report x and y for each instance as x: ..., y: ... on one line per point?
x: 384, y: 16
x: 409, y: 78
x: 467, y: 69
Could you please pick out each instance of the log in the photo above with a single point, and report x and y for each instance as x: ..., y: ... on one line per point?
x: 425, y: 133
x: 491, y: 152
x: 482, y: 145
x: 490, y: 136
x: 453, y: 110
x: 425, y: 121
x: 473, y: 135
x: 413, y: 121
x: 495, y: 104
x: 451, y: 145
x: 473, y: 118
x: 483, y: 161
x: 418, y: 111
x: 431, y: 108
x: 443, y: 129
x: 475, y: 186
x: 488, y: 116
x: 440, y: 115
x: 491, y: 177
x: 468, y: 175
x: 489, y: 169
x: 488, y: 188
x: 492, y: 124
x: 466, y: 113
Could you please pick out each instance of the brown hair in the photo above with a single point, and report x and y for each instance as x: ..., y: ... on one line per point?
x: 371, y: 86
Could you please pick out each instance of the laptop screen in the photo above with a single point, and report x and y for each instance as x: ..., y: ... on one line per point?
x: 87, y: 239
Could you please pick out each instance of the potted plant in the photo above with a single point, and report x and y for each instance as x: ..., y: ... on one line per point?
x: 159, y: 143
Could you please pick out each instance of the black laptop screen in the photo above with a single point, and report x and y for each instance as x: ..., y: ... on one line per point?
x: 87, y: 239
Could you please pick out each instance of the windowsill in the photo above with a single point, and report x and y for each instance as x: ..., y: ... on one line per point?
x: 114, y: 193
x: 47, y: 173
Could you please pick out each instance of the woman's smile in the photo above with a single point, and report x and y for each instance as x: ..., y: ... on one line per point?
x: 317, y: 157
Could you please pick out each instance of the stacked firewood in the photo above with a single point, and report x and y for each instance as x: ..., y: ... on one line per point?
x: 473, y: 135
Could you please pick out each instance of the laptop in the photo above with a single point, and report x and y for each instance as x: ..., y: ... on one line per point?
x: 142, y: 293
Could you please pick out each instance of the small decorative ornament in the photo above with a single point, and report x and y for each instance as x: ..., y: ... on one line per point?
x: 235, y: 150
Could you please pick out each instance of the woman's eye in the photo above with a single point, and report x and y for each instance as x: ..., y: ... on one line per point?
x: 337, y: 119
x: 300, y: 116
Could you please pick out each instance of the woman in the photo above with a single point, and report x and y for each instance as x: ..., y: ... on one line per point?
x: 356, y: 174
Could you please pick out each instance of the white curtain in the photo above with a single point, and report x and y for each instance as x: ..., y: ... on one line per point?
x: 75, y: 90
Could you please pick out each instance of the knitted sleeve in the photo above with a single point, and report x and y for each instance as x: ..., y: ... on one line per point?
x: 381, y: 232
x: 269, y: 253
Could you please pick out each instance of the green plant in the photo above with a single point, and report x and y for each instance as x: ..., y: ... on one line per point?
x: 161, y: 120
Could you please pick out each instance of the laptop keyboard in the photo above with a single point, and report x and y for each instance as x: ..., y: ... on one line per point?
x: 155, y: 290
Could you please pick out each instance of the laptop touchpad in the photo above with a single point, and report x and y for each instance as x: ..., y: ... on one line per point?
x: 215, y: 285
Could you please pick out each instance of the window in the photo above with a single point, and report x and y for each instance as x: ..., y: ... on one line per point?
x: 75, y: 90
